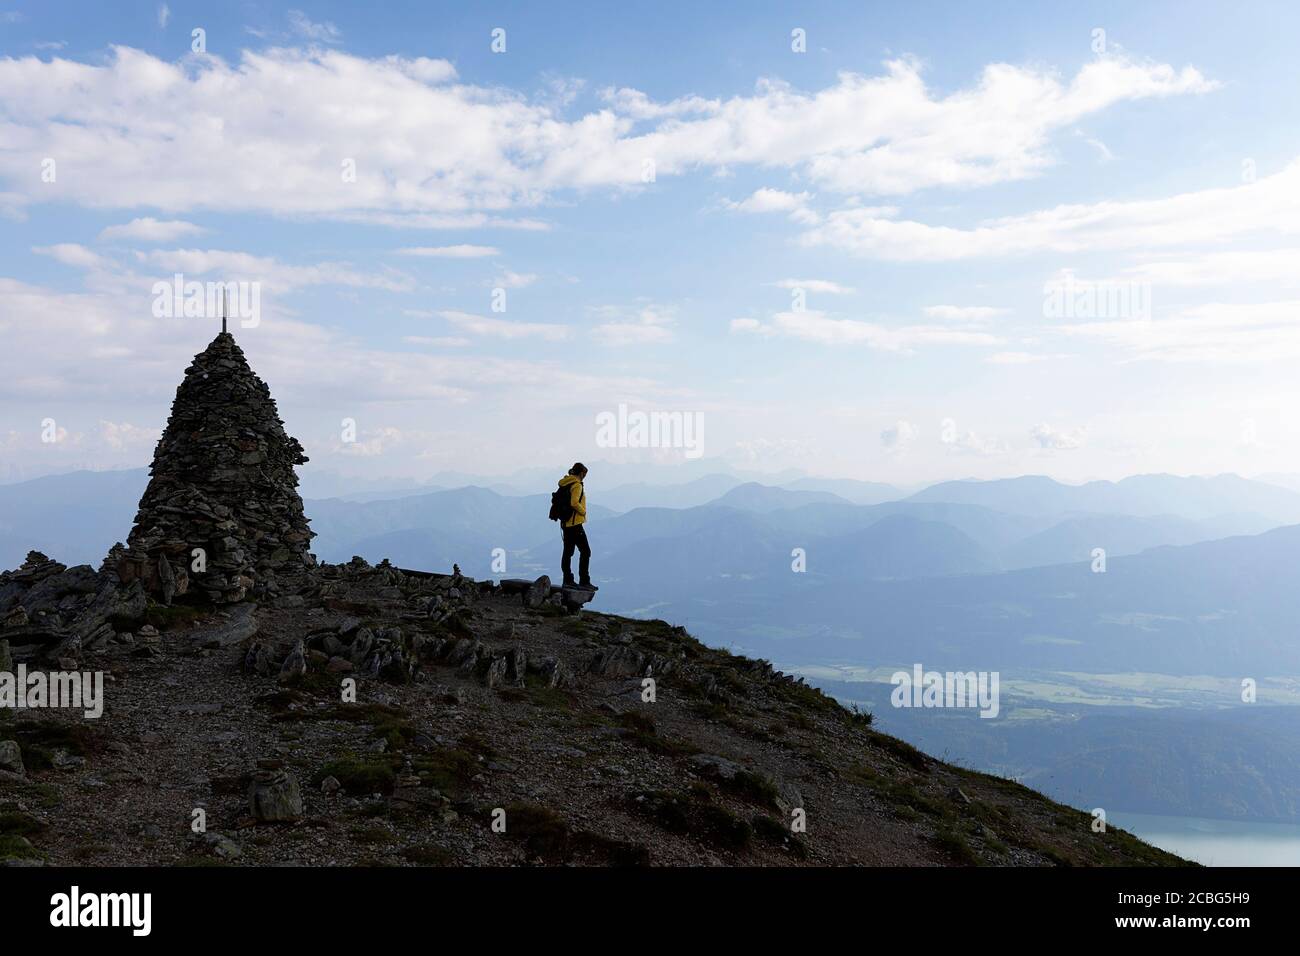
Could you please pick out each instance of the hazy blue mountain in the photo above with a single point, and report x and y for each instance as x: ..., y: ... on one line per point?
x: 730, y: 560
x: 1146, y: 495
x: 729, y: 546
x: 1220, y: 607
x: 787, y: 511
x: 994, y: 530
x: 1027, y: 495
x: 323, y: 483
x: 1075, y: 538
x: 362, y: 497
x: 612, y: 534
x: 74, y: 517
x: 1281, y: 479
x: 753, y: 496
x: 77, y: 516
x: 613, y: 474
x: 898, y: 546
x: 427, y: 549
x: 857, y: 492
x: 940, y: 547
x: 1235, y: 524
x: 474, y: 520
x: 684, y: 495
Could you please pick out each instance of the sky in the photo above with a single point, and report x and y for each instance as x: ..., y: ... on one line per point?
x: 904, y: 242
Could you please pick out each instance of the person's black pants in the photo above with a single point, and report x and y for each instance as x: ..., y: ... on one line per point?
x: 576, y: 537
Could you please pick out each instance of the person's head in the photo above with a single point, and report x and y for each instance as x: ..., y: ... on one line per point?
x: 579, y: 470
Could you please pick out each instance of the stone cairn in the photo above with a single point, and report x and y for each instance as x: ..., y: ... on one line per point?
x: 221, y: 519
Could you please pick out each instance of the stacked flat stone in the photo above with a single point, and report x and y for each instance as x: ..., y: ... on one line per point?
x: 222, y: 481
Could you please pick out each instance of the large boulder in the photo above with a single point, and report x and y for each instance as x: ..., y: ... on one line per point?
x: 11, y: 757
x: 274, y: 797
x: 620, y: 661
x: 538, y: 592
x: 714, y: 767
x: 294, y: 667
x: 228, y: 629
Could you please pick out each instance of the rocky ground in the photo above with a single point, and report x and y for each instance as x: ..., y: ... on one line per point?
x: 478, y: 705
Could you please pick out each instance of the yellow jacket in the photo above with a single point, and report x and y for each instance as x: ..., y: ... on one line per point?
x: 577, y: 498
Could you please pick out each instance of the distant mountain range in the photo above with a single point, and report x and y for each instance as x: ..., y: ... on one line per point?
x: 1221, y: 607
x: 1142, y: 495
x: 953, y: 528
x: 965, y: 575
x: 435, y: 530
x: 75, y: 517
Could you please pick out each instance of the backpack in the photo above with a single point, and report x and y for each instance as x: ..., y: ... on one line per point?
x: 561, y: 505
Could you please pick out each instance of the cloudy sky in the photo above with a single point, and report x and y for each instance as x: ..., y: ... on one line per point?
x: 900, y: 244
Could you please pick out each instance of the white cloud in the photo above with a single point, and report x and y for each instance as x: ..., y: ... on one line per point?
x: 1021, y: 358
x: 899, y: 435
x: 1221, y: 268
x: 746, y: 325
x: 1217, y: 332
x: 1270, y: 205
x: 775, y: 200
x: 1103, y: 151
x: 815, y: 326
x: 968, y: 442
x: 105, y: 442
x: 515, y: 280
x: 450, y: 252
x: 963, y: 313
x: 371, y: 442
x: 1054, y: 439
x: 815, y: 285
x: 437, y: 341
x: 72, y: 254
x: 637, y: 105
x: 560, y: 91
x: 317, y: 32
x: 647, y: 324
x: 275, y: 275
x: 757, y: 451
x: 122, y: 436
x: 164, y: 15
x: 266, y: 133
x: 148, y: 229
x: 124, y: 354
x: 628, y: 333
x: 889, y: 134
x: 503, y: 328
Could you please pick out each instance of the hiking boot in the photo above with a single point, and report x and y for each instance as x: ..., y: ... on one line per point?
x: 587, y: 586
x: 569, y: 583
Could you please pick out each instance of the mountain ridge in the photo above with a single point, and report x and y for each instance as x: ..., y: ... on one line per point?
x: 474, y: 703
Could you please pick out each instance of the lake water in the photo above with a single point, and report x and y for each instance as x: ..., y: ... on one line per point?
x: 1216, y: 842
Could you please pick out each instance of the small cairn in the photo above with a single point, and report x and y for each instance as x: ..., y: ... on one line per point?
x: 222, y: 519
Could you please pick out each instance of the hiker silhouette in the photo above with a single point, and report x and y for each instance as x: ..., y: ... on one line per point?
x: 569, y: 507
